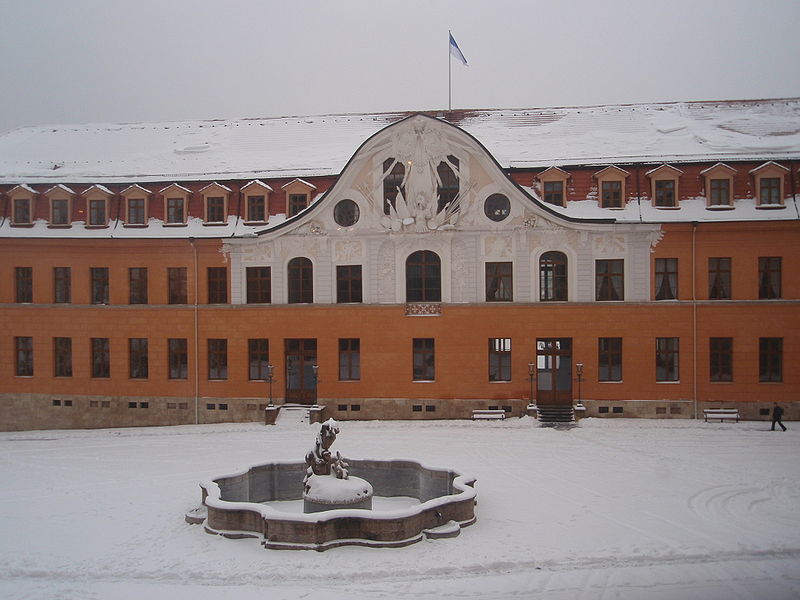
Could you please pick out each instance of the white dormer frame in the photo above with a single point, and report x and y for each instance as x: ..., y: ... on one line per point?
x: 553, y: 175
x: 769, y: 170
x: 19, y: 194
x: 665, y: 173
x: 610, y: 174
x: 297, y: 187
x: 254, y: 189
x: 718, y: 172
x: 171, y: 193
x: 59, y: 193
x: 136, y: 192
x: 215, y: 190
x: 97, y: 197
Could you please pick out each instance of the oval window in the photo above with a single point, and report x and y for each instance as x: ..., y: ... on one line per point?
x: 497, y: 207
x: 346, y: 213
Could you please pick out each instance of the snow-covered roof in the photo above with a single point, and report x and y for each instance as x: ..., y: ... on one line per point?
x: 289, y: 147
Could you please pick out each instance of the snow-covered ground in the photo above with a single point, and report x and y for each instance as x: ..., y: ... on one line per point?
x: 632, y: 509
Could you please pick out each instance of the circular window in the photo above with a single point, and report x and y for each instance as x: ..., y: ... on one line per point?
x: 497, y: 207
x: 346, y: 213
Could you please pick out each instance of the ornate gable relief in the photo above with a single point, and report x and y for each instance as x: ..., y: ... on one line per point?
x: 608, y: 244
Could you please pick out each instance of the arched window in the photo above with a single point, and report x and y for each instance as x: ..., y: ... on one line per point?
x: 447, y: 190
x: 393, y: 174
x: 301, y: 281
x: 553, y: 276
x: 423, y: 277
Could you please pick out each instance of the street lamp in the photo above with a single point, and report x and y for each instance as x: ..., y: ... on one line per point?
x: 532, y: 375
x: 579, y: 375
x: 270, y: 374
x: 315, y: 368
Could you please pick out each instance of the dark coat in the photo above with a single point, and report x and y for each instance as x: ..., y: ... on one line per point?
x: 777, y: 413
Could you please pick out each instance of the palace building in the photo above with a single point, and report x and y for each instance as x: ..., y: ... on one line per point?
x: 631, y: 260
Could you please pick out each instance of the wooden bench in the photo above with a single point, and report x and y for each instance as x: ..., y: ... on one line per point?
x: 488, y: 414
x: 721, y: 413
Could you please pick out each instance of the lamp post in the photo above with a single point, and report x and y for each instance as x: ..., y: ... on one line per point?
x: 315, y: 368
x: 532, y: 375
x: 579, y: 376
x: 270, y: 374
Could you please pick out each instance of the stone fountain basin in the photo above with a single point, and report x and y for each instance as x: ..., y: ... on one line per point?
x: 235, y: 509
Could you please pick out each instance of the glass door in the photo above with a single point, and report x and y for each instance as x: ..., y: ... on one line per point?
x: 554, y: 371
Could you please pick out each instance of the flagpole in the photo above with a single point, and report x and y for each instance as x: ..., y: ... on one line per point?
x: 449, y: 76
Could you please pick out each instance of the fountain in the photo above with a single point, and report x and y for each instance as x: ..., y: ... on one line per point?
x: 378, y: 503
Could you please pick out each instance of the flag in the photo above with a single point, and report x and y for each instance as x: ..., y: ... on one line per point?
x: 456, y: 51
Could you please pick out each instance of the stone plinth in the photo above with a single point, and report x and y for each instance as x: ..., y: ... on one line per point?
x: 326, y: 492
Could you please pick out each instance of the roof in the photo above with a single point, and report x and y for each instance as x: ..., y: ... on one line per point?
x: 289, y: 147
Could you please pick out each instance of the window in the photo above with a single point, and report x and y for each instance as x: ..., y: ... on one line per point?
x: 217, y: 285
x: 215, y: 209
x: 59, y: 211
x: 217, y: 359
x: 720, y: 192
x: 609, y: 280
x: 447, y: 188
x: 137, y: 285
x: 497, y: 207
x: 62, y: 285
x: 499, y: 282
x: 135, y: 199
x: 297, y: 203
x: 137, y: 358
x: 769, y: 277
x: 611, y: 194
x: 664, y: 186
x: 665, y: 193
x: 176, y: 285
x: 298, y: 193
x: 175, y: 211
x: 135, y: 214
x: 348, y: 283
x: 23, y: 347
x: 349, y: 359
x: 178, y: 358
x: 301, y: 281
x: 346, y: 213
x: 720, y: 359
x: 99, y: 282
x: 424, y: 360
x: 21, y: 208
x: 259, y: 285
x: 666, y: 279
x: 667, y: 359
x: 175, y: 203
x: 499, y: 359
x: 609, y: 359
x: 394, y: 174
x: 719, y: 186
x: 770, y: 359
x: 258, y: 359
x: 769, y: 179
x: 256, y: 209
x: 62, y: 357
x: 719, y: 278
x: 553, y: 276
x: 23, y: 282
x: 101, y: 358
x: 769, y: 191
x: 97, y: 212
x: 423, y: 277
x: 554, y: 192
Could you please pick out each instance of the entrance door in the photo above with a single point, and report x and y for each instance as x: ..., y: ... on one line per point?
x: 554, y: 371
x: 301, y: 381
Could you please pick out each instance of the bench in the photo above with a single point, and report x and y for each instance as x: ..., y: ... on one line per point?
x: 488, y: 414
x: 721, y: 414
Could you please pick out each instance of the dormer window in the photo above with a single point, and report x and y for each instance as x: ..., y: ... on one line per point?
x: 21, y: 205
x: 60, y: 198
x: 215, y: 201
x: 135, y: 198
x: 298, y: 196
x: 175, y: 204
x: 719, y: 186
x: 256, y: 194
x: 611, y: 186
x: 769, y: 179
x: 97, y: 198
x: 664, y: 186
x: 554, y: 186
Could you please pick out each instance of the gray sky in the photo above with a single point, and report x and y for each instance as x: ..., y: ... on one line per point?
x: 84, y: 61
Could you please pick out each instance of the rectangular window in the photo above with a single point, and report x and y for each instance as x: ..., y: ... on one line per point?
x: 256, y: 209
x: 769, y: 191
x: 348, y: 283
x: 62, y: 357
x: 424, y: 359
x: 176, y: 285
x: 297, y: 202
x: 99, y: 283
x: 665, y: 193
x: 719, y: 278
x: 175, y: 210
x: 135, y: 211
x: 554, y: 192
x: 666, y: 279
x: 770, y: 359
x: 611, y: 194
x: 101, y: 358
x: 499, y: 359
x: 720, y: 359
x: 23, y: 349
x: 720, y: 192
x: 217, y: 285
x: 137, y: 358
x: 499, y: 282
x: 22, y: 211
x: 60, y: 212
x: 667, y: 359
x: 217, y: 359
x: 258, y: 358
x: 97, y: 212
x: 769, y: 277
x: 23, y: 284
x: 178, y: 358
x: 137, y: 285
x: 609, y: 359
x: 609, y: 279
x: 259, y: 285
x: 215, y: 209
x: 349, y: 359
x: 62, y: 285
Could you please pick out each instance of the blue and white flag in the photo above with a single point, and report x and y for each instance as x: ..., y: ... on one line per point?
x: 456, y: 51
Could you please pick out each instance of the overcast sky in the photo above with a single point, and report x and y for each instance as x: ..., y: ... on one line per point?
x: 82, y: 61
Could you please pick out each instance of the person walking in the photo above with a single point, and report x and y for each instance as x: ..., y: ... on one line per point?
x: 777, y: 415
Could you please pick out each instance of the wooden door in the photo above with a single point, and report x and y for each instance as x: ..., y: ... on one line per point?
x: 301, y: 380
x: 554, y: 371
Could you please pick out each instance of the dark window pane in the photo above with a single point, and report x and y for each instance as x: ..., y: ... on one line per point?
x: 62, y: 357
x: 667, y: 359
x: 24, y: 356
x: 720, y: 352
x: 666, y: 278
x: 553, y: 276
x: 348, y: 283
x: 424, y: 360
x: 99, y: 291
x: 499, y: 282
x: 423, y: 277
x: 178, y: 358
x: 769, y: 277
x: 176, y: 285
x: 137, y: 358
x: 24, y: 284
x: 257, y: 358
x: 101, y: 357
x: 217, y: 359
x: 217, y: 285
x: 259, y: 285
x: 609, y: 280
x: 301, y: 281
x: 770, y: 359
x: 393, y: 176
x: 349, y: 359
x: 137, y: 282
x: 62, y: 284
x: 609, y: 359
x: 719, y: 278
x: 499, y: 359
